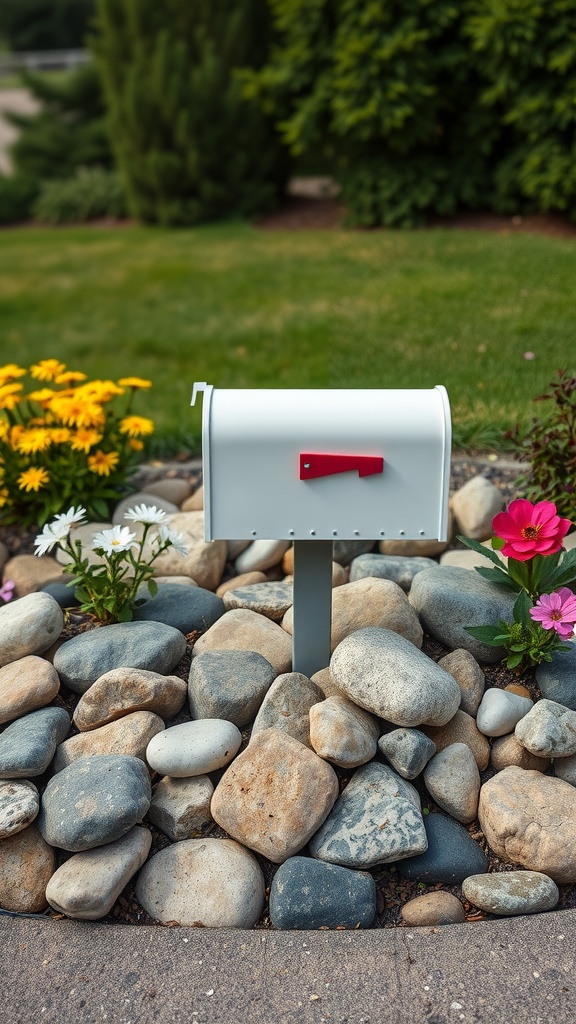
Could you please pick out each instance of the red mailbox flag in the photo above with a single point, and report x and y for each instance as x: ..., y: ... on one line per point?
x: 315, y: 464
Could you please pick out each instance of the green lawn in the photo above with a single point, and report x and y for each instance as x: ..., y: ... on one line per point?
x: 241, y: 307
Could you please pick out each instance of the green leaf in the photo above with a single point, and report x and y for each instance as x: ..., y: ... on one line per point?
x: 487, y: 634
x: 125, y: 614
x: 514, y: 660
x: 518, y: 572
x: 474, y: 545
x: 100, y: 507
x: 152, y: 588
x: 522, y: 606
x: 498, y: 543
x: 497, y: 576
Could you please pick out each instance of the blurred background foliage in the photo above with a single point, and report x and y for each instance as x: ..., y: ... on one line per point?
x: 205, y: 107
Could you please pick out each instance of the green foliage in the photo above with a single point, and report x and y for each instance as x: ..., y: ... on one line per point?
x: 189, y: 145
x: 68, y: 132
x: 526, y: 643
x: 17, y: 195
x: 427, y: 107
x: 550, y: 447
x: 45, y: 24
x: 90, y: 194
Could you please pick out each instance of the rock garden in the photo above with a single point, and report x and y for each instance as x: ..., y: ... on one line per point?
x: 174, y: 769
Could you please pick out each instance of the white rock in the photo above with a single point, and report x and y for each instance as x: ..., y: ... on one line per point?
x: 500, y: 711
x: 193, y: 748
x: 87, y: 885
x: 548, y: 730
x: 29, y: 625
x: 262, y: 554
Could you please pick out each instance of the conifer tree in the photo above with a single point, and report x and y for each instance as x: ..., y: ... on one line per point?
x: 188, y: 145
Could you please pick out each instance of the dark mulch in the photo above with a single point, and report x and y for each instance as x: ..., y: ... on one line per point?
x: 393, y: 891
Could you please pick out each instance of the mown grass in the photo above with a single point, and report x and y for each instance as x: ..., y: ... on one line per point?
x: 242, y: 307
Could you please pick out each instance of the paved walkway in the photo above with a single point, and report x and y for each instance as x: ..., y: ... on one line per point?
x: 514, y: 971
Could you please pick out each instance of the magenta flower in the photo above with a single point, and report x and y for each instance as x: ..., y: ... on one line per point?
x: 556, y: 611
x: 7, y: 591
x: 530, y: 530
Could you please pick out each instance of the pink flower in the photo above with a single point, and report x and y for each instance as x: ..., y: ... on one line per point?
x: 7, y: 591
x: 530, y: 529
x: 556, y: 611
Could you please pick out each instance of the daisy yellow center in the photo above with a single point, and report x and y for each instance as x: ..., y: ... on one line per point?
x: 531, y: 532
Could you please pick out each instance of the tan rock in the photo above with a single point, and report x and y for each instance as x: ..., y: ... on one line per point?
x: 25, y: 685
x: 29, y: 625
x: 180, y: 807
x: 474, y: 506
x: 424, y: 548
x: 433, y: 908
x: 286, y: 706
x: 521, y: 691
x: 195, y: 502
x: 243, y: 630
x: 30, y: 573
x: 205, y: 559
x: 172, y: 489
x: 530, y: 819
x: 461, y: 729
x: 288, y: 562
x: 469, y: 676
x: 124, y: 690
x: 245, y: 580
x: 84, y: 534
x: 507, y: 750
x: 465, y: 558
x: 26, y: 865
x: 128, y: 735
x: 275, y: 795
x: 185, y: 581
x: 325, y: 680
x: 369, y: 602
x: 343, y: 733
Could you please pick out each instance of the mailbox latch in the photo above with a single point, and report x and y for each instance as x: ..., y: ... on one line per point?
x: 315, y: 464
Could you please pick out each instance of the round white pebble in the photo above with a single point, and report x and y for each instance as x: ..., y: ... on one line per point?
x: 194, y: 748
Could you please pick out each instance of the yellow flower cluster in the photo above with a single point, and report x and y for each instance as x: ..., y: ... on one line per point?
x: 66, y: 440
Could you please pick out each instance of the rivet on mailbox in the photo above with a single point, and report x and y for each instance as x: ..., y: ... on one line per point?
x: 309, y: 466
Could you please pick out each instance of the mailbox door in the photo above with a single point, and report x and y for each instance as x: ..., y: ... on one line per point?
x: 295, y: 464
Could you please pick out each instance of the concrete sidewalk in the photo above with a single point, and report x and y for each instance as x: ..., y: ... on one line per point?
x: 514, y: 971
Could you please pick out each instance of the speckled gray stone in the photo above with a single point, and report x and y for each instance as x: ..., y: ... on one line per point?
x: 448, y: 599
x: 19, y: 805
x: 407, y: 750
x: 548, y: 730
x: 376, y: 820
x: 345, y: 551
x: 149, y: 645
x: 229, y: 684
x: 270, y: 599
x: 384, y: 673
x: 453, y: 781
x: 94, y: 801
x: 397, y: 568
x: 511, y: 892
x: 286, y: 706
x: 310, y: 894
x: 186, y: 609
x: 28, y: 745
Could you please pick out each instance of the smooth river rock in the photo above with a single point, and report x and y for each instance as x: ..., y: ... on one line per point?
x: 511, y: 892
x: 19, y: 805
x: 310, y: 894
x: 194, y: 748
x: 26, y: 684
x: 125, y: 690
x: 129, y: 735
x: 29, y: 625
x: 229, y: 685
x: 28, y: 745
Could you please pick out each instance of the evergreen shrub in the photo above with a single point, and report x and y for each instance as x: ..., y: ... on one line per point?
x: 92, y: 193
x: 45, y: 24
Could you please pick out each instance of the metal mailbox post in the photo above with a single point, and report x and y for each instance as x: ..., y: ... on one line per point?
x: 313, y: 467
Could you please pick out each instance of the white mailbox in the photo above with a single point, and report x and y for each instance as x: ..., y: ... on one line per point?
x: 299, y: 465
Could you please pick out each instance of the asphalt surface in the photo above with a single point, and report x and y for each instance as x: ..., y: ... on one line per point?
x: 513, y: 971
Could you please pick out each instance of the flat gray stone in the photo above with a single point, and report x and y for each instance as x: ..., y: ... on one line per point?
x: 511, y: 892
x: 376, y: 820
x: 384, y: 673
x: 19, y: 805
x: 548, y: 730
x: 149, y: 645
x: 448, y: 599
x: 397, y: 568
x: 344, y: 551
x: 229, y: 685
x: 452, y: 854
x: 88, y: 884
x: 28, y: 745
x: 29, y: 625
x: 407, y: 750
x: 185, y: 608
x: 309, y: 894
x: 94, y: 801
x: 270, y: 599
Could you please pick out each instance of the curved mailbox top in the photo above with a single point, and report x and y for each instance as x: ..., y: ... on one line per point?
x: 326, y: 464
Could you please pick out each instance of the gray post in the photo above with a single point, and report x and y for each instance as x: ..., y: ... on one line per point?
x: 312, y: 611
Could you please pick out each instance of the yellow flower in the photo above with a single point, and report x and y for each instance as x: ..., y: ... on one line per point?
x: 47, y: 369
x: 69, y: 377
x: 43, y: 395
x: 3, y: 496
x: 60, y: 435
x: 15, y: 432
x: 102, y: 462
x: 84, y: 440
x: 4, y: 430
x: 77, y: 412
x: 135, y: 445
x: 99, y: 390
x: 134, y: 382
x: 35, y: 440
x: 136, y: 425
x: 33, y: 479
x: 9, y: 396
x: 10, y: 372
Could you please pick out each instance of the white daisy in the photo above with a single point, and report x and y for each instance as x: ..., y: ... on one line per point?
x: 176, y: 539
x: 50, y: 536
x: 148, y: 515
x: 73, y: 515
x: 118, y: 538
